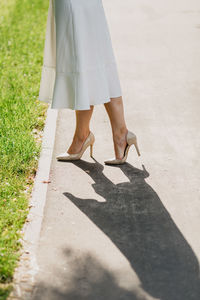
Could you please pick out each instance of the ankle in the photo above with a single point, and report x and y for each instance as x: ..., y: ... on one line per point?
x: 82, y: 135
x: 120, y: 134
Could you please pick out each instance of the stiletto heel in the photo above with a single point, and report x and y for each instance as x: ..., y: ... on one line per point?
x: 136, y: 147
x: 88, y: 142
x: 131, y: 139
x: 91, y: 150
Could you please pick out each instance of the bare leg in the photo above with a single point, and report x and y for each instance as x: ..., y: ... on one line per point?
x: 115, y: 112
x: 82, y: 129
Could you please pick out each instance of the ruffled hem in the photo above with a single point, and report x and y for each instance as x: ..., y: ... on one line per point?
x: 47, y: 84
x: 79, y: 90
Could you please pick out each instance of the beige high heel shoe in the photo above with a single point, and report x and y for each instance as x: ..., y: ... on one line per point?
x: 88, y: 142
x: 131, y: 140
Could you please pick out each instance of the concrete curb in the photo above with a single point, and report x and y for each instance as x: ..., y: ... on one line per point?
x: 27, y: 266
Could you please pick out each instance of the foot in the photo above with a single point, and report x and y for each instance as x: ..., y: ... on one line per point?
x: 119, y: 140
x: 77, y: 143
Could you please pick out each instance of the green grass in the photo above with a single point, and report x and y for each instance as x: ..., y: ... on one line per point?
x: 22, y: 116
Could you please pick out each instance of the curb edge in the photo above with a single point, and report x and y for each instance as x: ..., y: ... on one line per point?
x: 27, y: 268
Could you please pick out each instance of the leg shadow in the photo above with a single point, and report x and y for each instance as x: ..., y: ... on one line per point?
x: 136, y: 221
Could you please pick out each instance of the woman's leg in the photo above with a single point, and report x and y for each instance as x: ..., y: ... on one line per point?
x: 115, y: 112
x: 82, y: 129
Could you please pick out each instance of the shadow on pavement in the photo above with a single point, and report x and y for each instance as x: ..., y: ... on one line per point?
x: 136, y: 221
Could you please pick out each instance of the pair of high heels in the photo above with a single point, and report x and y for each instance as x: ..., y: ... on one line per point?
x: 131, y: 139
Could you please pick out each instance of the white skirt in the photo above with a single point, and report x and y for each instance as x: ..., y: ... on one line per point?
x: 79, y: 66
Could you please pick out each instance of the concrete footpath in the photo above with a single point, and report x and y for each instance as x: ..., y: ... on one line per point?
x: 132, y: 231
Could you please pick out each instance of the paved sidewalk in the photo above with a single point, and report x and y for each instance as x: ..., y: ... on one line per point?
x: 132, y: 231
